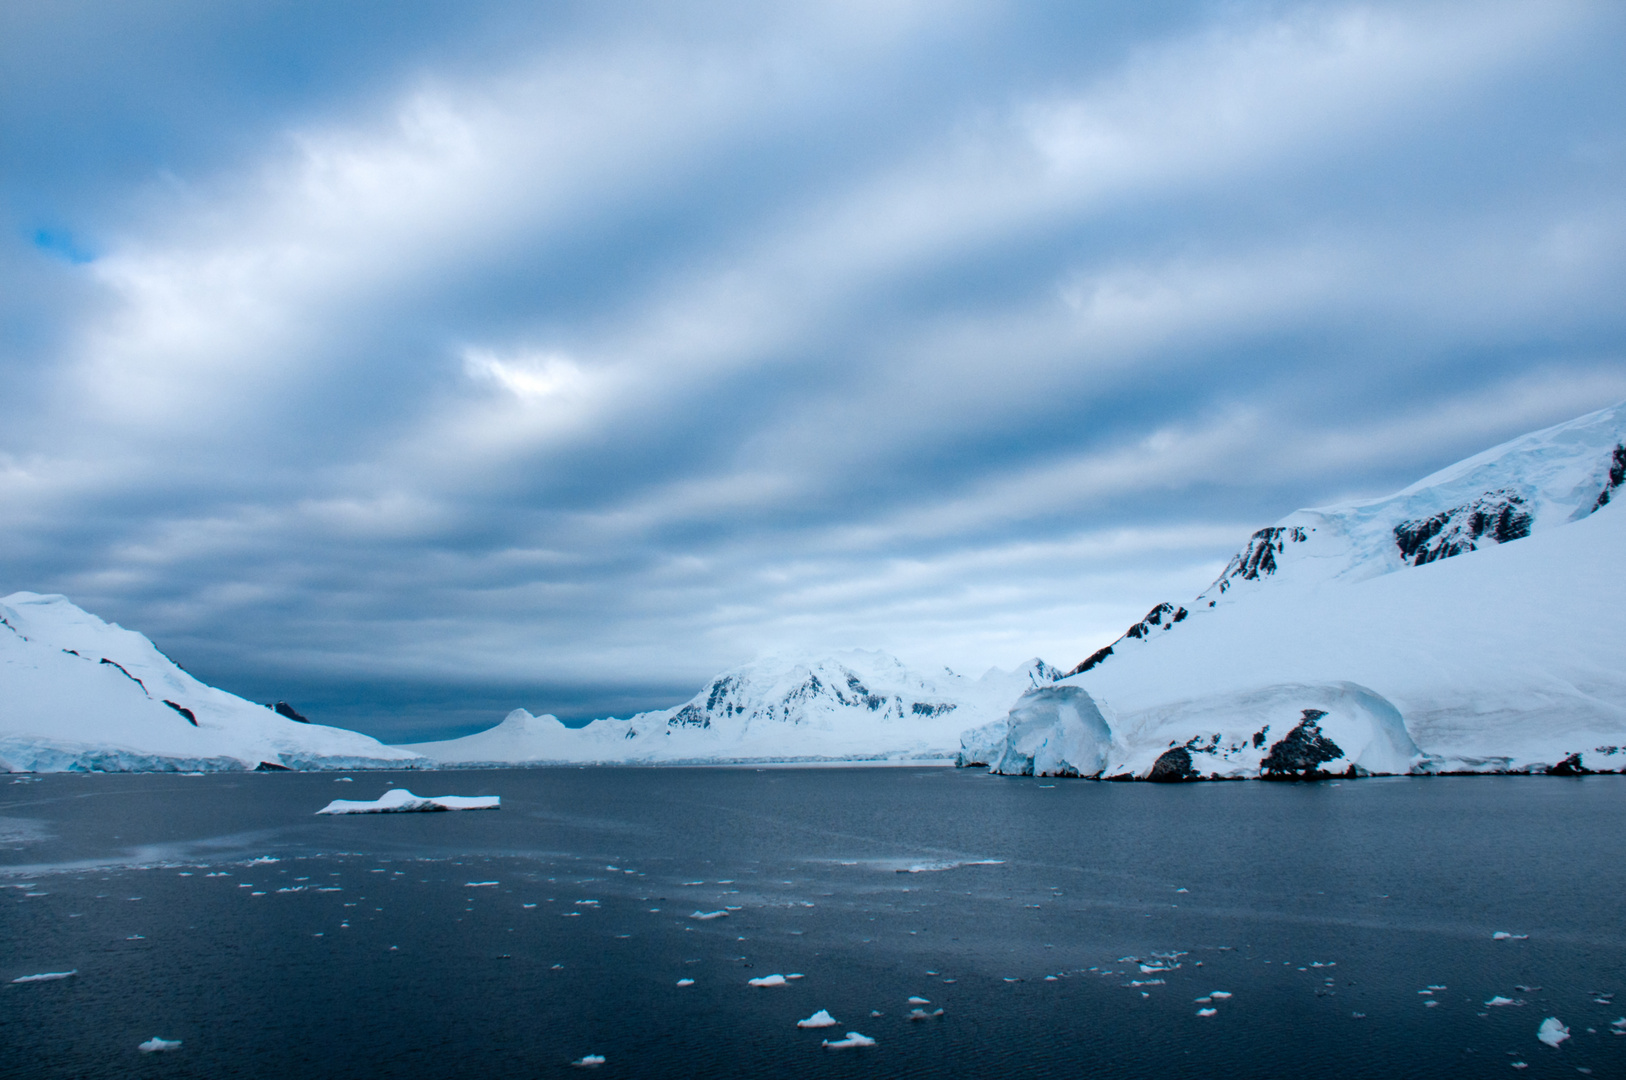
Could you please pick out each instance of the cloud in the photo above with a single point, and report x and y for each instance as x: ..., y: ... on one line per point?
x: 600, y: 352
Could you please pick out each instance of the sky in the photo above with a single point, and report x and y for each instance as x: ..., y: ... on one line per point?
x: 413, y: 362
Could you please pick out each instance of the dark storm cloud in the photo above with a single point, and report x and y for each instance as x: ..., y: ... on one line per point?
x: 565, y: 360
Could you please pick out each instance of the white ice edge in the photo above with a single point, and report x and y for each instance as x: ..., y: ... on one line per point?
x: 402, y: 801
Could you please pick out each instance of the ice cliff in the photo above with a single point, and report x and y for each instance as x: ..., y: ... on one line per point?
x: 79, y: 694
x: 1473, y: 622
x: 854, y: 706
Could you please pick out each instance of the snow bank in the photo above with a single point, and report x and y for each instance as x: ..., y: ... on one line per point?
x: 402, y: 801
x: 1471, y: 623
x: 81, y: 695
x: 854, y: 706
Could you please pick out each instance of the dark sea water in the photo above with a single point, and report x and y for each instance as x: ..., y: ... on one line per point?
x: 362, y: 950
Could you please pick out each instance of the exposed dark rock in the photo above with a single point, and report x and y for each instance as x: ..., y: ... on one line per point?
x: 1496, y: 516
x: 1617, y: 476
x: 1570, y: 766
x: 1093, y: 659
x: 127, y: 675
x: 1258, y: 559
x: 184, y: 711
x: 71, y: 652
x: 271, y: 766
x: 923, y: 708
x: 1301, y: 754
x: 282, y: 708
x: 1173, y: 767
x: 1259, y: 737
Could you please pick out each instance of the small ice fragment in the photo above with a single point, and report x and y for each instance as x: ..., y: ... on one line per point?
x: 480, y: 884
x: 794, y: 975
x: 47, y: 976
x: 1503, y: 935
x: 918, y: 1001
x: 400, y: 800
x: 1430, y: 1004
x: 1425, y: 991
x: 1203, y: 1000
x: 704, y: 915
x: 1500, y: 1000
x: 1182, y: 890
x: 1435, y: 986
x: 685, y: 982
x: 876, y: 1012
x: 1519, y: 1065
x: 136, y: 937
x: 1552, y: 1032
x: 820, y: 1019
x: 527, y: 905
x: 1220, y: 995
x: 1206, y: 1012
x: 768, y: 980
x: 922, y: 1014
x: 1051, y: 978
x: 154, y: 1044
x: 590, y: 1061
x: 853, y: 1039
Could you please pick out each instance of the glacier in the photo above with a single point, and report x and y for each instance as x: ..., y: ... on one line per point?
x: 1473, y: 622
x: 81, y: 695
x: 854, y: 706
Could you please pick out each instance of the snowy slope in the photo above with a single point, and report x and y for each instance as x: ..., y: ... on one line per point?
x: 77, y: 693
x: 859, y: 706
x: 1475, y: 621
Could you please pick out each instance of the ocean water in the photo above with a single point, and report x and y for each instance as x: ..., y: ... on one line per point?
x: 1063, y: 928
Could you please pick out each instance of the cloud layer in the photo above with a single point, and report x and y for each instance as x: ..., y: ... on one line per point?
x: 562, y: 362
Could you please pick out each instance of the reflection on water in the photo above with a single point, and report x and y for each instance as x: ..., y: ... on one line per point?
x: 1335, y: 929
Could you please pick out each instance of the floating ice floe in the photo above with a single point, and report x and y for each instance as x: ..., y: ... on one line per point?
x: 820, y: 1019
x: 402, y: 801
x: 589, y: 1061
x: 852, y: 1040
x: 1503, y: 935
x: 922, y: 1014
x: 704, y: 915
x: 794, y: 975
x: 1552, y: 1031
x: 768, y: 980
x: 1207, y: 1012
x: 47, y: 976
x: 918, y: 1001
x: 1499, y: 1000
x: 480, y: 884
x: 1220, y: 995
x: 155, y: 1044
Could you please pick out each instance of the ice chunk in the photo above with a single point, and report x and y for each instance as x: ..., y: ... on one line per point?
x: 768, y: 980
x: 1220, y: 995
x: 1503, y: 935
x: 155, y: 1044
x: 47, y: 976
x: 480, y: 884
x: 1207, y: 1012
x: 590, y: 1061
x: 1552, y: 1032
x: 918, y: 1001
x: 685, y: 982
x: 820, y: 1019
x: 400, y: 800
x: 853, y: 1039
x: 794, y: 975
x: 922, y: 1014
x: 1500, y: 1000
x: 704, y: 915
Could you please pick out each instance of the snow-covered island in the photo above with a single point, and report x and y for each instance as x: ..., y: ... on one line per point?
x: 1474, y: 622
x: 80, y: 694
x: 854, y: 706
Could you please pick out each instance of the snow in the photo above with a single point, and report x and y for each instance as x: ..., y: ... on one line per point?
x: 402, y: 801
x: 1051, y: 731
x: 1324, y: 649
x: 155, y: 1044
x: 820, y: 1019
x: 852, y: 706
x: 49, y: 976
x: 853, y: 1039
x: 1552, y: 1032
x: 769, y: 980
x: 81, y: 695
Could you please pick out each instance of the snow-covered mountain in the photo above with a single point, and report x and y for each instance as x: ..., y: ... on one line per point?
x: 854, y: 706
x: 80, y: 694
x: 1473, y: 622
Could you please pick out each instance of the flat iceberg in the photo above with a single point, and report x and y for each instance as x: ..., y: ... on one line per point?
x: 402, y: 801
x: 853, y: 1039
x: 769, y: 980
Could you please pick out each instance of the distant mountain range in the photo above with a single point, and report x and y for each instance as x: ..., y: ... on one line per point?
x: 1474, y: 622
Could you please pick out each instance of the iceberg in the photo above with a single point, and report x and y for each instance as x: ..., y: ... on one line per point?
x: 1552, y: 1032
x: 852, y: 1040
x: 81, y: 695
x: 155, y: 1045
x: 820, y: 1019
x: 402, y: 801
